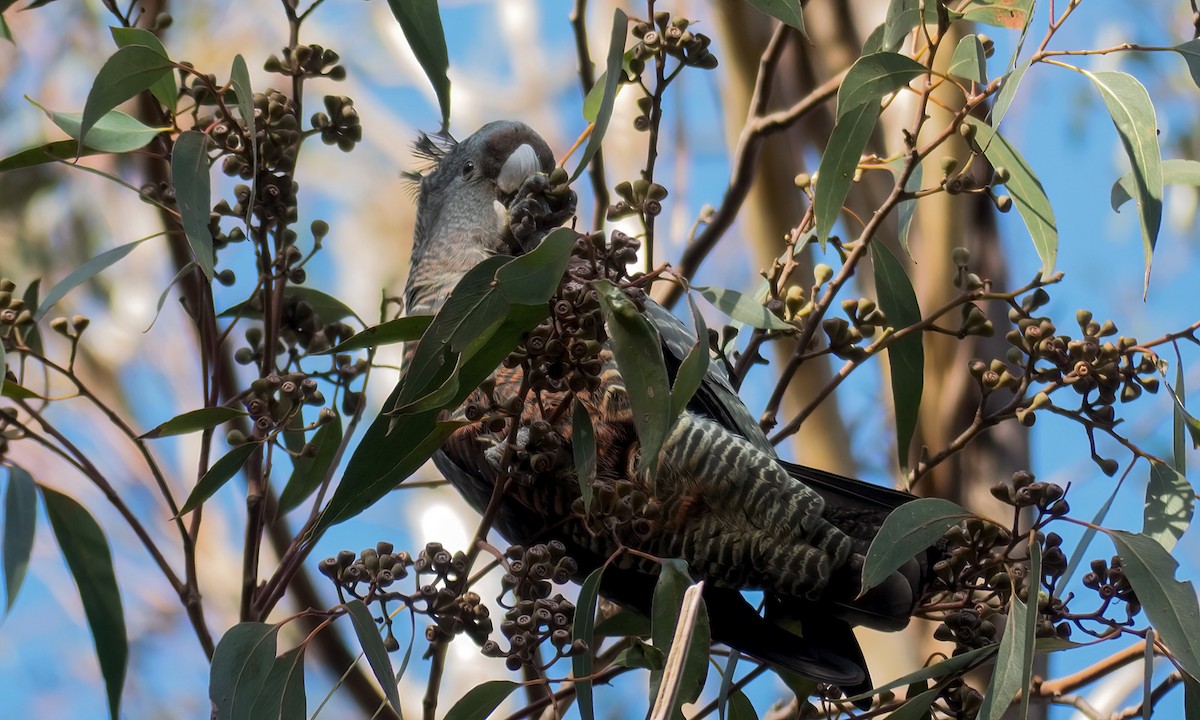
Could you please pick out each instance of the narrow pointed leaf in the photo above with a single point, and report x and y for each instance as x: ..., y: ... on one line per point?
x: 422, y: 26
x: 584, y: 627
x: 12, y: 390
x: 1008, y: 91
x: 906, y: 357
x: 126, y: 73
x: 612, y: 78
x: 1029, y: 630
x: 1175, y: 172
x: 404, y: 329
x: 50, y: 152
x: 872, y: 77
x: 915, y: 707
x: 533, y: 277
x: 241, y: 663
x: 1170, y: 503
x: 1011, y: 14
x: 194, y: 420
x: 1089, y: 534
x: 949, y: 666
x: 968, y: 60
x: 908, y: 530
x: 907, y: 208
x: 1006, y: 679
x: 743, y: 308
x: 839, y: 162
x: 282, y: 694
x: 221, y: 472
x: 583, y: 449
x: 1179, y: 450
x: 1026, y: 191
x: 902, y: 17
x: 309, y: 472
x: 786, y: 11
x: 83, y: 273
x: 115, y: 132
x: 693, y: 368
x: 162, y: 298
x: 86, y: 551
x: 372, y: 645
x: 1132, y: 112
x: 1190, y: 423
x: 329, y: 308
x: 193, y: 192
x: 673, y: 581
x: 239, y: 78
x: 1169, y: 604
x: 638, y: 351
x: 1190, y: 51
x: 164, y: 88
x: 481, y: 700
x: 20, y: 525
x: 740, y: 707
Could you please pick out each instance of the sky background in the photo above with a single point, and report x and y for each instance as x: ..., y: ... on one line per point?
x: 515, y: 59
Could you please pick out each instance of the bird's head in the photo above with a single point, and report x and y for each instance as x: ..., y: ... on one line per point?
x: 462, y: 199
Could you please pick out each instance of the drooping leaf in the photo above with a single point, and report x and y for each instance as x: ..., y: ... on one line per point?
x: 902, y: 17
x: 33, y: 336
x: 422, y: 26
x: 612, y: 77
x: 309, y: 471
x: 85, y: 549
x: 839, y: 163
x: 906, y: 356
x: 1189, y: 421
x: 403, y: 329
x: 907, y: 208
x: 1170, y: 502
x: 20, y: 524
x: 740, y: 707
x: 687, y: 660
x: 115, y: 132
x: 12, y: 390
x: 1132, y: 113
x: 184, y: 271
x: 1026, y: 191
x: 1175, y: 172
x: 194, y: 420
x: 50, y: 152
x: 1190, y: 51
x: 1006, y: 679
x: 328, y: 307
x: 126, y: 73
x: 1169, y: 604
x: 787, y: 12
x: 968, y: 60
x: 949, y: 666
x: 533, y: 277
x: 84, y: 273
x: 193, y: 192
x: 1028, y: 629
x: 1179, y: 450
x: 221, y: 472
x: 673, y: 580
x: 1011, y: 14
x: 583, y: 450
x: 916, y: 707
x: 239, y: 79
x: 872, y: 77
x: 282, y: 694
x: 583, y: 629
x: 1089, y: 534
x: 743, y: 308
x: 908, y: 530
x: 481, y: 700
x: 638, y: 351
x: 372, y: 645
x: 164, y: 88
x: 241, y: 663
x: 694, y: 366
x: 1008, y: 91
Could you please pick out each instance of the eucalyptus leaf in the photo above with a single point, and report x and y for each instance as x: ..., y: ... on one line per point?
x: 786, y: 11
x: 583, y: 450
x: 221, y: 472
x: 85, y: 272
x: 164, y: 88
x: 403, y: 329
x: 130, y: 70
x: 20, y: 526
x: 873, y: 77
x: 1170, y: 503
x: 839, y: 163
x: 194, y: 420
x: 583, y: 629
x: 193, y: 193
x: 481, y: 700
x: 309, y: 472
x: 422, y: 26
x: 968, y: 60
x: 907, y: 531
x: 241, y: 663
x: 612, y: 77
x: 906, y: 356
x: 372, y: 646
x: 743, y: 308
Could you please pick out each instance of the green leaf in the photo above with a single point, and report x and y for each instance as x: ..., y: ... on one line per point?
x: 1026, y: 191
x: 50, y: 152
x: 84, y: 273
x: 221, y: 472
x: 1189, y: 421
x: 309, y: 472
x: 1029, y: 629
x: 241, y: 663
x: 839, y: 163
x: 906, y: 356
x: 612, y: 77
x: 1179, y: 450
x: 12, y: 390
x: 1169, y: 604
x: 1175, y: 172
x: 239, y: 79
x: 693, y: 368
x: 481, y: 700
x: 85, y: 549
x: 116, y: 132
x: 1191, y: 697
x: 194, y: 420
x: 33, y: 336
x: 743, y: 308
x: 163, y: 89
x: 968, y: 60
x: 20, y: 524
x: 533, y: 278
x: 372, y: 645
x: 1008, y: 90
x: 404, y: 329
x: 326, y: 306
x: 872, y: 77
x: 583, y: 449
x: 1089, y: 534
x: 949, y: 666
x: 193, y: 192
x: 1006, y: 679
x: 673, y: 580
x: 638, y: 351
x: 1170, y: 502
x: 916, y: 707
x: 129, y: 71
x: 583, y: 629
x: 422, y: 27
x: 902, y: 17
x: 786, y: 11
x: 1011, y: 14
x: 595, y: 96
x: 1190, y: 51
x: 908, y: 530
x: 282, y: 695
x: 1132, y: 112
x: 907, y: 208
x: 740, y: 707
x: 624, y: 623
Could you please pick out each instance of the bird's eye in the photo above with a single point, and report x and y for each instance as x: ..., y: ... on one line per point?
x: 468, y: 168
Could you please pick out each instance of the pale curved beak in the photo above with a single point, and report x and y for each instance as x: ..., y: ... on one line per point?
x: 517, y: 168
